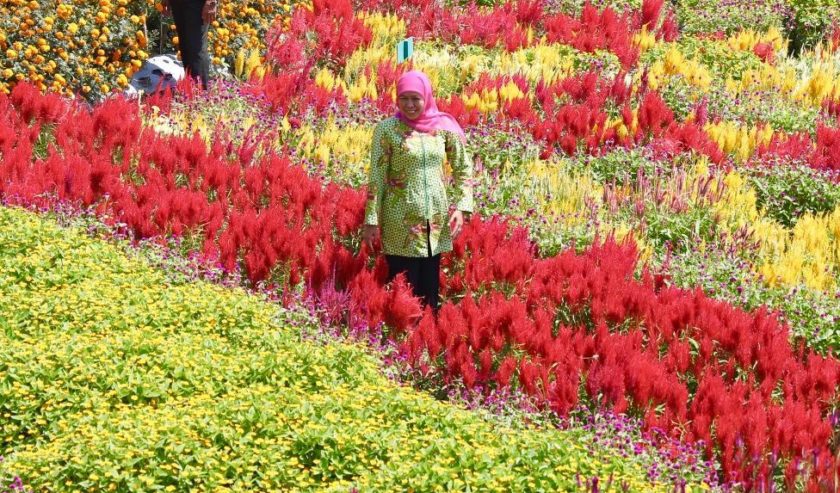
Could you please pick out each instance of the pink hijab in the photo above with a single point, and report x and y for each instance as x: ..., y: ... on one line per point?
x: 432, y: 118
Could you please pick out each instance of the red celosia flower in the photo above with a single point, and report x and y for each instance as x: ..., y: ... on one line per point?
x: 402, y: 308
x: 505, y: 371
x: 765, y: 52
x: 651, y: 10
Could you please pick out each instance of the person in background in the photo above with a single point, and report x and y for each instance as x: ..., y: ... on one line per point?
x: 408, y: 203
x: 192, y: 19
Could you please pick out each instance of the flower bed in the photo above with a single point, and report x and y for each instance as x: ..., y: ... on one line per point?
x: 634, y: 133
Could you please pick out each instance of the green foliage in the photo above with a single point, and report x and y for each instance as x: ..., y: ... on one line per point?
x: 621, y: 166
x: 680, y: 96
x: 717, y: 56
x: 811, y: 21
x: 756, y: 108
x: 787, y: 192
x: 496, y: 150
x: 575, y: 6
x: 481, y: 3
x: 786, y: 115
x: 116, y: 377
x: 681, y: 231
x: 711, y: 16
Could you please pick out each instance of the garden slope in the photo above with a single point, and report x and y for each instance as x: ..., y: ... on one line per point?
x: 114, y: 377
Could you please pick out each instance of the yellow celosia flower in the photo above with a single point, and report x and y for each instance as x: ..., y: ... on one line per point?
x: 822, y: 83
x: 742, y: 141
x: 694, y: 72
x: 546, y: 62
x: 644, y: 39
x: 387, y: 29
x: 487, y: 100
x: 809, y: 254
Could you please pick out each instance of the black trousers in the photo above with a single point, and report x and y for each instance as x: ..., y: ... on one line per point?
x: 422, y: 273
x: 192, y: 38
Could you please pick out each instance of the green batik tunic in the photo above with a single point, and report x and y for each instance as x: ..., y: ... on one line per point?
x: 408, y: 187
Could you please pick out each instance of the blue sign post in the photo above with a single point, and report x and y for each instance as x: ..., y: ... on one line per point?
x: 404, y: 49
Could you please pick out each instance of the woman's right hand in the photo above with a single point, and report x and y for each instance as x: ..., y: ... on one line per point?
x: 369, y: 235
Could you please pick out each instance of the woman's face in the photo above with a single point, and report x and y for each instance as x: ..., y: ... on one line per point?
x: 411, y: 104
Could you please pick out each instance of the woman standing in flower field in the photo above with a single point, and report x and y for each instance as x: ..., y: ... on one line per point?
x: 407, y: 198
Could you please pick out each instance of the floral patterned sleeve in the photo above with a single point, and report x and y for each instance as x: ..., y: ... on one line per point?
x: 380, y: 152
x: 462, y: 172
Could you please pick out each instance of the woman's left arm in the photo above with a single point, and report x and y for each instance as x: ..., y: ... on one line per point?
x: 462, y: 172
